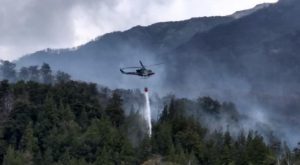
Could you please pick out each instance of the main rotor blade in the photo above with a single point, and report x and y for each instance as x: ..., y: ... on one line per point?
x: 134, y: 67
x: 142, y: 64
x: 155, y: 64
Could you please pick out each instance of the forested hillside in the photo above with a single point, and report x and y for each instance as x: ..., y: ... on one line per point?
x: 252, y: 60
x: 69, y: 122
x: 234, y: 80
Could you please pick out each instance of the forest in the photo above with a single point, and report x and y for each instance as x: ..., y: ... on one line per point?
x: 48, y: 118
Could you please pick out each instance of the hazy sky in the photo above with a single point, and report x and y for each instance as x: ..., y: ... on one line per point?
x: 30, y: 25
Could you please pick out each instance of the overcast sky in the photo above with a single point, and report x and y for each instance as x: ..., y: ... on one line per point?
x: 30, y: 25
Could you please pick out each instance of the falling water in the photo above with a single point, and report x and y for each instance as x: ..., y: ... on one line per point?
x: 147, y: 113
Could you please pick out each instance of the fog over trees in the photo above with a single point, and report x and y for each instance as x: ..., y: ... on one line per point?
x: 48, y: 118
x: 35, y: 73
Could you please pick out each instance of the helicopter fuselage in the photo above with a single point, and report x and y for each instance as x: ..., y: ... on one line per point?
x: 140, y: 71
x: 144, y: 72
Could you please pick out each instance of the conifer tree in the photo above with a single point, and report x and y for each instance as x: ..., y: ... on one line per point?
x: 115, y: 111
x: 46, y: 74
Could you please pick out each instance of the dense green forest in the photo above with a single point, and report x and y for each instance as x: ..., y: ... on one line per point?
x: 47, y: 118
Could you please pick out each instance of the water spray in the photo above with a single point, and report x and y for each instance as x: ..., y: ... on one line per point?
x: 147, y: 112
x: 145, y: 73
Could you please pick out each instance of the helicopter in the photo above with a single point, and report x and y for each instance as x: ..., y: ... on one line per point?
x: 141, y: 71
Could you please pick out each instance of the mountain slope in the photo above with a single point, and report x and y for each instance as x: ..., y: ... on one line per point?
x: 100, y: 59
x: 243, y: 13
x: 253, y: 60
x: 255, y: 49
x: 235, y: 50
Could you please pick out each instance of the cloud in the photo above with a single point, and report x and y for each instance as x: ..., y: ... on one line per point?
x: 30, y: 25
